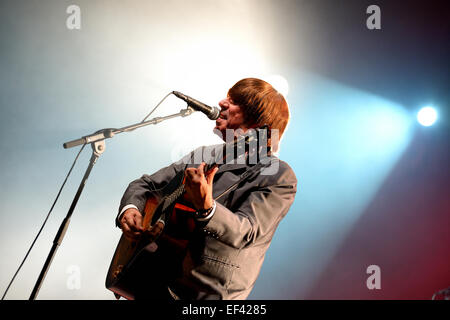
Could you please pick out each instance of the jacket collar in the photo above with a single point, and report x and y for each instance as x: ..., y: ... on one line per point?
x: 241, y: 162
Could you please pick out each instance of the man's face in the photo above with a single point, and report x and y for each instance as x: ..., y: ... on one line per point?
x: 231, y: 117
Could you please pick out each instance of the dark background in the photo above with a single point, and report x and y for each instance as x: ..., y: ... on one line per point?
x: 405, y: 229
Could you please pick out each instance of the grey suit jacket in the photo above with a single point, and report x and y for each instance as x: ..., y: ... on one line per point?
x: 225, y: 260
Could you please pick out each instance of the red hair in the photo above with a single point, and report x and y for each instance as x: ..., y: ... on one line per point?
x: 261, y: 104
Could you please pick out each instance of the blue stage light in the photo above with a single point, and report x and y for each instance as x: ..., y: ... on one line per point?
x: 427, y: 116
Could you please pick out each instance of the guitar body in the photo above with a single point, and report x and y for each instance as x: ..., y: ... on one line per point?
x: 158, y: 252
x: 140, y: 266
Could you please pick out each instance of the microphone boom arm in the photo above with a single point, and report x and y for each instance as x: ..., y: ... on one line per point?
x: 97, y: 141
x: 109, y: 133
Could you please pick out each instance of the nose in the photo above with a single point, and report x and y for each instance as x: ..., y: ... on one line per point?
x: 224, y: 104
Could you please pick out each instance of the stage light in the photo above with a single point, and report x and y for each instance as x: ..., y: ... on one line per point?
x: 349, y: 140
x: 427, y: 116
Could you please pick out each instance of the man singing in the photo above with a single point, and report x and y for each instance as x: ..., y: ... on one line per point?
x: 233, y: 229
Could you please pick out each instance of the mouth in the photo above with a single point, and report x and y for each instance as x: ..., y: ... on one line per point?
x: 220, y: 121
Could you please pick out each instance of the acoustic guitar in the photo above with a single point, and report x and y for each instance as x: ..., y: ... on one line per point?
x: 168, y: 225
x: 133, y: 256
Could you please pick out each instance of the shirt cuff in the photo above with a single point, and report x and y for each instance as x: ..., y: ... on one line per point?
x: 209, y: 216
x: 128, y: 206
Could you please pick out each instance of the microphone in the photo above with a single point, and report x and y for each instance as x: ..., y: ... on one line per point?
x: 212, y: 112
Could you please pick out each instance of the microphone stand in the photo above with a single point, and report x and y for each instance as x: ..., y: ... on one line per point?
x: 97, y: 141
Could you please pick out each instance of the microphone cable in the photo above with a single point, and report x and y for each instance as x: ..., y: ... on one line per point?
x: 45, y: 221
x: 157, y: 106
x: 56, y: 199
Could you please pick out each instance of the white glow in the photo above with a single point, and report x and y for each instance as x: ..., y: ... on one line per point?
x: 132, y: 56
x: 427, y: 116
x: 279, y: 83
